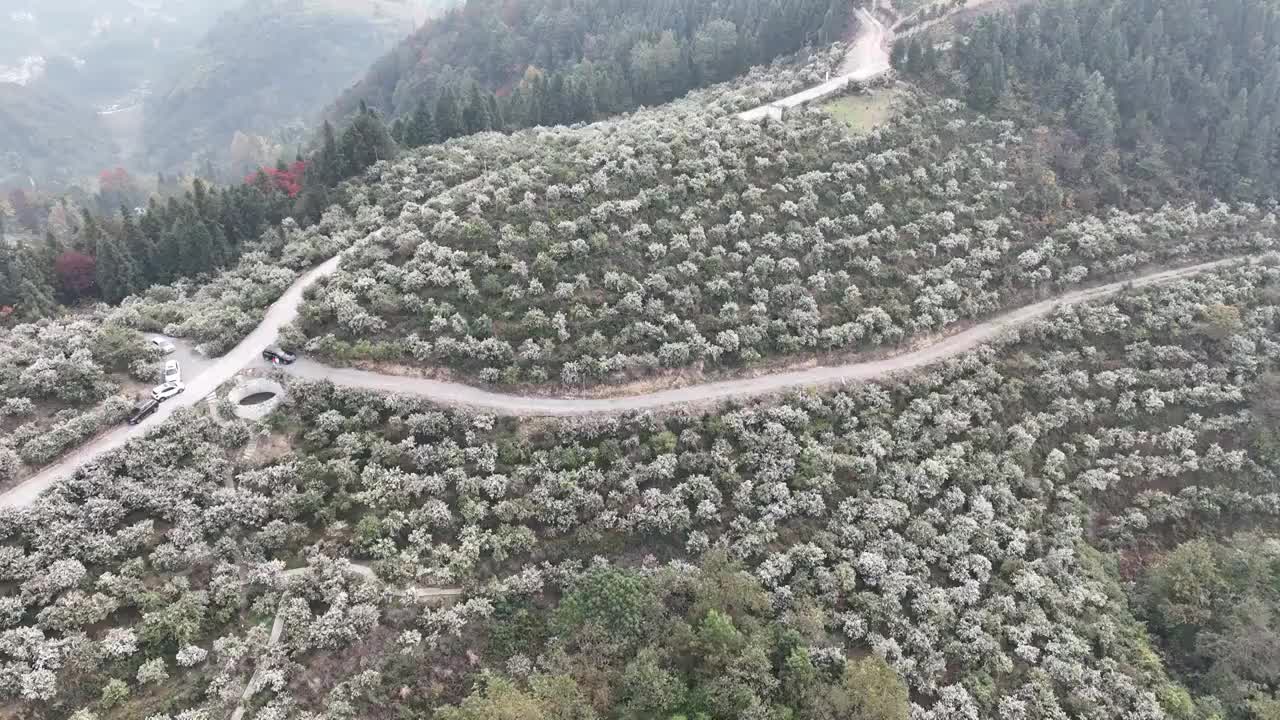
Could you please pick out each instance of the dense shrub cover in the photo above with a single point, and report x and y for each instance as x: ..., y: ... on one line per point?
x: 54, y: 374
x: 681, y: 238
x: 966, y: 526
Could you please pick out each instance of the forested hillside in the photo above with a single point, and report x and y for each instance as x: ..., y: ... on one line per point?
x: 680, y: 240
x: 543, y: 62
x: 1160, y: 97
x: 965, y: 532
x: 47, y: 136
x: 266, y: 65
x: 1079, y: 520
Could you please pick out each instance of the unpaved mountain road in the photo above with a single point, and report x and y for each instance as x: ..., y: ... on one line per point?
x: 457, y: 394
x: 281, y: 313
x: 868, y: 57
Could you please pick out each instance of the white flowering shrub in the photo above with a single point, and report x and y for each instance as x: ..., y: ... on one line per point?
x: 947, y: 523
x: 152, y: 671
x: 679, y: 238
x: 191, y: 656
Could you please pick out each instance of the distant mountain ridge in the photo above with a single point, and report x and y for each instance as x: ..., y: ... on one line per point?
x: 266, y: 65
x: 44, y: 135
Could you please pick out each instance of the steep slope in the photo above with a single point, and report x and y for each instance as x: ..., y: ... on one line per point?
x: 584, y: 58
x: 99, y: 52
x: 46, y: 136
x: 267, y: 64
x: 1156, y: 97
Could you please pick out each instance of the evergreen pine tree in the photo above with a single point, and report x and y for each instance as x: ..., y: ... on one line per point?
x: 34, y: 298
x: 89, y: 236
x: 422, y: 128
x: 449, y: 122
x: 194, y: 244
x: 476, y: 115
x: 220, y: 251
x: 116, y: 271
x: 158, y: 266
x: 1094, y: 114
x: 496, y: 119
x: 140, y: 248
x: 364, y: 142
x: 1224, y: 145
x: 982, y: 93
x: 8, y: 276
x: 327, y: 164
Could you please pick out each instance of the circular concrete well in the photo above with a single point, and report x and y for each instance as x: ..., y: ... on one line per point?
x: 255, y: 399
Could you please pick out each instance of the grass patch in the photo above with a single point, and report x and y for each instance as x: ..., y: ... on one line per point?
x: 862, y: 113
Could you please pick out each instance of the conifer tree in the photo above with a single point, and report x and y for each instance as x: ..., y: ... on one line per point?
x: 141, y: 248
x: 421, y: 129
x: 116, y: 271
x: 448, y: 116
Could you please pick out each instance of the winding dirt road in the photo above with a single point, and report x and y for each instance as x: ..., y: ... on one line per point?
x: 281, y: 313
x: 868, y: 57
x: 457, y: 394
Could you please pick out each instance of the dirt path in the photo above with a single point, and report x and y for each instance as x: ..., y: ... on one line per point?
x: 868, y: 57
x: 457, y: 394
x: 920, y: 27
x: 277, y: 625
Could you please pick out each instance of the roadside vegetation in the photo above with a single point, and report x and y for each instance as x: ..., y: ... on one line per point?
x: 681, y: 239
x: 980, y: 540
x: 1077, y: 520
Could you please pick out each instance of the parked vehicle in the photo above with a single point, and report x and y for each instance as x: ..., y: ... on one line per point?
x: 163, y: 345
x: 171, y: 372
x: 167, y: 390
x: 277, y: 355
x: 141, y: 412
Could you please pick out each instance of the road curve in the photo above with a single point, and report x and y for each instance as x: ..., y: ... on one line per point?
x: 457, y: 394
x: 280, y: 313
x: 868, y: 57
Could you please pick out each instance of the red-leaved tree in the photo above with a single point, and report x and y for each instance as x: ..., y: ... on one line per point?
x: 116, y: 188
x: 76, y: 274
x: 287, y: 181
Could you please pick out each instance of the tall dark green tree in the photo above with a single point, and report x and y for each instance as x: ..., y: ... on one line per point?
x: 476, y: 117
x: 193, y: 244
x: 117, y: 271
x: 364, y: 142
x: 8, y: 275
x: 141, y: 248
x: 449, y: 120
x: 421, y: 128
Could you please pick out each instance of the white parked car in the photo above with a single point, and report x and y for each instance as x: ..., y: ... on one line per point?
x: 162, y: 345
x: 171, y: 372
x: 167, y: 390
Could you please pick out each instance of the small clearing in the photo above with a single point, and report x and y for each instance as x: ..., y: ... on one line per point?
x: 862, y: 113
